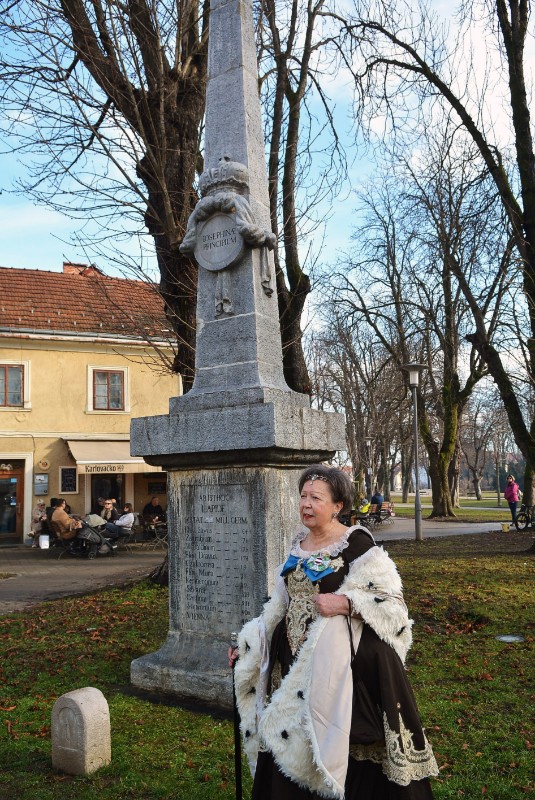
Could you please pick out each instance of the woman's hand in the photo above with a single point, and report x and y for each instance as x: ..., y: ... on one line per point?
x: 232, y: 656
x: 331, y: 605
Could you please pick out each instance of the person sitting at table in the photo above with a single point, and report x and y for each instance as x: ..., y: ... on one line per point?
x: 38, y: 514
x: 153, y: 512
x: 122, y: 525
x: 63, y: 525
x: 377, y: 498
x: 99, y: 506
x: 51, y: 508
x: 109, y: 513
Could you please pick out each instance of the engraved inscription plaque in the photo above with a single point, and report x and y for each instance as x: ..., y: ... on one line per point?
x: 219, y: 245
x: 219, y: 568
x: 70, y: 728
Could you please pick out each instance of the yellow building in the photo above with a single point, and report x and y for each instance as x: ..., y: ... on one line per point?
x: 80, y: 355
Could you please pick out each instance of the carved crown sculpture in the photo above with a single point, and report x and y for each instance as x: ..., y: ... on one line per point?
x: 222, y: 191
x: 230, y: 175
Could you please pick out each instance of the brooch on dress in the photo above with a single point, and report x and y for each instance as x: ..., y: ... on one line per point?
x: 318, y: 562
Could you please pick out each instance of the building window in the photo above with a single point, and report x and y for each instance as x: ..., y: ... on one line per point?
x: 108, y: 390
x: 11, y: 385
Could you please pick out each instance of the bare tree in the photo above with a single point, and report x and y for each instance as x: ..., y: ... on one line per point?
x: 105, y: 101
x: 480, y: 421
x: 294, y: 57
x: 500, y: 444
x: 408, y: 60
x: 400, y: 282
x: 360, y: 380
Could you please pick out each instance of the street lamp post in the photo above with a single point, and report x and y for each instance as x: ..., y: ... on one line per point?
x: 414, y: 379
x: 368, y: 442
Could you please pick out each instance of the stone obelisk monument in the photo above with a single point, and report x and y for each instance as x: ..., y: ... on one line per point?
x: 233, y: 445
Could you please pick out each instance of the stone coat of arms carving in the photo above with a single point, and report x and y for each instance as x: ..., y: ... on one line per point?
x: 221, y: 224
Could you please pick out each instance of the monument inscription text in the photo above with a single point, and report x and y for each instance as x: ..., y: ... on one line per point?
x: 220, y: 570
x: 219, y: 244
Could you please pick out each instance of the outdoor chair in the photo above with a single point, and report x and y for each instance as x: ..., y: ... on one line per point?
x: 124, y: 541
x: 385, y: 514
x: 155, y: 535
x: 58, y: 545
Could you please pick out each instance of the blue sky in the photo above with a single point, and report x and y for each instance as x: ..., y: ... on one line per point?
x: 29, y: 235
x: 38, y: 237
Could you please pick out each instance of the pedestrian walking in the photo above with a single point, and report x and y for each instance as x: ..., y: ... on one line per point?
x: 512, y: 495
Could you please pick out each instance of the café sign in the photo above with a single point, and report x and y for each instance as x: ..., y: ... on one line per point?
x: 97, y: 468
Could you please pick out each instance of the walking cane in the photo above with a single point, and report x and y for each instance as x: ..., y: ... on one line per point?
x: 237, y: 737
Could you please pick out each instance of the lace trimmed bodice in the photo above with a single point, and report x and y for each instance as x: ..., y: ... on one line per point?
x: 333, y: 549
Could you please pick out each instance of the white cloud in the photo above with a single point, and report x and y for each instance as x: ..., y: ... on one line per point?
x: 16, y: 217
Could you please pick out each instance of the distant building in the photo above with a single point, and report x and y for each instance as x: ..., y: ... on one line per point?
x: 77, y: 362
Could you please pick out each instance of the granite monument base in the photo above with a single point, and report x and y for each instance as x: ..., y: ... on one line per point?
x: 188, y: 665
x: 229, y: 528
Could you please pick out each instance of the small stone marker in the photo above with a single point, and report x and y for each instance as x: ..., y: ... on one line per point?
x: 81, y: 735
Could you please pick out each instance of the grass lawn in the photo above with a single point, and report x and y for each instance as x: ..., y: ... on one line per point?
x: 461, y: 514
x: 475, y: 693
x: 471, y: 510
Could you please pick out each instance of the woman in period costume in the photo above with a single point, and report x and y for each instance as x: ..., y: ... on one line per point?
x: 326, y: 708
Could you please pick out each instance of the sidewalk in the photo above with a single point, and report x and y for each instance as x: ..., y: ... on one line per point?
x: 403, y: 528
x: 40, y: 575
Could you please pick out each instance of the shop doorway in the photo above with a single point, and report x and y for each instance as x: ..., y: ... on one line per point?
x: 107, y: 485
x: 11, y: 503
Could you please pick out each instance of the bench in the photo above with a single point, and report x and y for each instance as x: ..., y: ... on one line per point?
x: 376, y: 514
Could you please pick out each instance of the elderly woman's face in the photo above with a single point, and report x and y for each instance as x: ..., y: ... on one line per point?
x: 316, y: 505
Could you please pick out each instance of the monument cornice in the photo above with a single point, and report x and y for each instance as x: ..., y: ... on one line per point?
x: 264, y: 433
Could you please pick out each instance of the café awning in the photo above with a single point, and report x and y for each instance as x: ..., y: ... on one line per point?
x: 96, y: 457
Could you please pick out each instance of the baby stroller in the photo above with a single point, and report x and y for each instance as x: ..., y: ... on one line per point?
x: 90, y: 540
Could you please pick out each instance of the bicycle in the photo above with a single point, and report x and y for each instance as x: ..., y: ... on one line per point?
x: 525, y: 517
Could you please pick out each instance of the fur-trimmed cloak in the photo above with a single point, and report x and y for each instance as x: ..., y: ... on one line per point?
x: 307, y: 721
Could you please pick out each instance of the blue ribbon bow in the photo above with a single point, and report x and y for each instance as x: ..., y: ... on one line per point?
x: 313, y: 574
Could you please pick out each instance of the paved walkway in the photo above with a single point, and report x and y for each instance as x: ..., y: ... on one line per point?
x: 404, y: 529
x: 39, y: 575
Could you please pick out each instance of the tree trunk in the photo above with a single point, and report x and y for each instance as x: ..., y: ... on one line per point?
x: 453, y: 477
x: 291, y: 305
x: 524, y: 438
x: 384, y: 471
x: 391, y: 479
x: 361, y: 483
x: 440, y: 459
x: 406, y: 473
x: 440, y: 488
x: 498, y: 492
x: 527, y: 497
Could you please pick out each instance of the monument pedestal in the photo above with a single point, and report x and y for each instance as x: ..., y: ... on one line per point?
x: 231, y: 514
x: 229, y: 529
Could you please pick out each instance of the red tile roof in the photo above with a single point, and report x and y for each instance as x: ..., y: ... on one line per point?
x: 77, y: 303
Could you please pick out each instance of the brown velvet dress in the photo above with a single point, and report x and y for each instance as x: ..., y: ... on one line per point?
x: 378, y: 668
